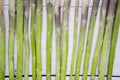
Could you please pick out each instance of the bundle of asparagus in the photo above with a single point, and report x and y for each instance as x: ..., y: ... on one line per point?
x: 114, y: 41
x: 11, y: 38
x: 2, y: 42
x: 49, y: 38
x: 38, y: 38
x: 64, y: 36
x: 32, y: 35
x: 89, y: 38
x: 26, y: 39
x: 81, y: 37
x: 100, y: 38
x: 19, y: 35
x: 107, y: 38
x: 75, y: 38
x: 58, y: 37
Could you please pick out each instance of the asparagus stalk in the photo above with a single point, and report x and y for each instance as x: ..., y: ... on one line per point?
x: 114, y: 41
x: 107, y: 38
x: 99, y: 39
x: 26, y: 39
x: 2, y: 42
x: 81, y: 37
x: 49, y: 38
x: 32, y: 34
x: 75, y: 39
x: 64, y: 35
x: 11, y: 38
x: 58, y: 37
x: 89, y: 38
x: 38, y: 38
x: 19, y: 35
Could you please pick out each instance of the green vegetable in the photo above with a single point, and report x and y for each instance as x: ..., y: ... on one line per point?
x: 2, y: 42
x: 107, y: 38
x: 89, y: 38
x: 32, y: 34
x: 49, y: 38
x: 58, y: 37
x: 81, y: 37
x: 26, y: 39
x: 75, y: 39
x: 114, y: 41
x: 99, y: 39
x: 19, y: 35
x: 38, y: 38
x: 11, y: 38
x: 64, y: 36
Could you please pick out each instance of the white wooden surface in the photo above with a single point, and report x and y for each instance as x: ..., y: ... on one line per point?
x: 116, y: 70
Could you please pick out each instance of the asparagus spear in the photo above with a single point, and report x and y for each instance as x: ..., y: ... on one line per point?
x: 114, y: 41
x: 99, y: 39
x: 32, y: 34
x: 64, y: 35
x: 81, y: 37
x: 26, y: 39
x: 107, y: 37
x: 38, y: 38
x: 49, y: 38
x: 75, y: 39
x: 2, y: 42
x: 11, y: 38
x: 89, y: 38
x: 58, y: 37
x: 19, y: 35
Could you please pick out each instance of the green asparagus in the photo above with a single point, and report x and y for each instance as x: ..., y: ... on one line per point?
x: 26, y: 39
x: 64, y: 36
x: 99, y: 39
x: 114, y: 41
x: 2, y: 42
x: 49, y: 38
x: 107, y: 38
x: 75, y: 39
x: 89, y: 38
x: 19, y: 35
x: 58, y: 37
x: 32, y: 35
x: 81, y: 37
x: 11, y: 38
x: 38, y: 38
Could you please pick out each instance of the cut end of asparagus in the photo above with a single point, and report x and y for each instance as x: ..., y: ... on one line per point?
x: 67, y: 4
x: 95, y: 7
x: 57, y: 8
x: 27, y: 6
x: 84, y: 11
x: 49, y: 1
x: 12, y: 8
x: 85, y: 7
x: 112, y: 7
x: 57, y: 17
x: 1, y: 5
